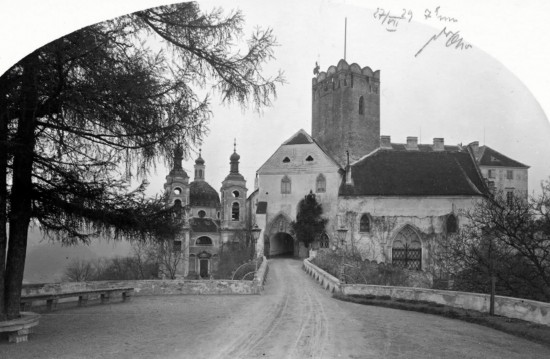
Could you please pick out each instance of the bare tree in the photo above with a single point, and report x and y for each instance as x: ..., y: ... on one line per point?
x: 79, y: 270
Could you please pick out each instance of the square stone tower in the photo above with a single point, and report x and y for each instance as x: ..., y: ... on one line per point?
x: 346, y: 110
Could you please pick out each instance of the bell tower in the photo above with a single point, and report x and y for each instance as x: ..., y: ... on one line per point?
x: 233, y: 198
x: 177, y: 181
x: 346, y: 110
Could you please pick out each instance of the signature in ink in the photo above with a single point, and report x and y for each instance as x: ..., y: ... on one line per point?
x: 428, y: 15
x: 392, y: 21
x: 453, y: 39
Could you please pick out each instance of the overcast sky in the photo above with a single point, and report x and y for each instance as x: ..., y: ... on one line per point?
x: 497, y: 92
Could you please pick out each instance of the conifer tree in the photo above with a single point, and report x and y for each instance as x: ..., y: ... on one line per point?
x: 309, y: 224
x: 83, y: 112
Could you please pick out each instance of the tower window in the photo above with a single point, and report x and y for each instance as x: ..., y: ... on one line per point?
x: 177, y: 191
x: 200, y: 173
x: 202, y: 214
x: 286, y: 160
x: 364, y: 223
x: 235, y: 211
x: 321, y: 184
x: 236, y: 194
x: 285, y: 185
x: 309, y: 158
x: 361, y: 105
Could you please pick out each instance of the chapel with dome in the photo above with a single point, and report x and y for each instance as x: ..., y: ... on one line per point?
x: 210, y: 222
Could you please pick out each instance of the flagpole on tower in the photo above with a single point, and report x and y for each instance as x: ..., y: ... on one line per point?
x: 345, y: 36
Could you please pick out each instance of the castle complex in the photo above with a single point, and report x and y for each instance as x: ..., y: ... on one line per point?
x: 396, y: 201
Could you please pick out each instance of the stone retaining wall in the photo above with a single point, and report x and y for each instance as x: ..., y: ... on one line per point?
x: 159, y: 287
x: 524, y: 309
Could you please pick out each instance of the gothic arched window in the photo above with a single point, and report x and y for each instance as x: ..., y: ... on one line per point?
x: 235, y: 211
x: 361, y: 105
x: 407, y: 249
x: 286, y: 185
x: 452, y: 224
x: 320, y: 184
x: 364, y: 223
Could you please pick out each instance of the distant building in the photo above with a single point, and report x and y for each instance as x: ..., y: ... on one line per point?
x: 211, y: 222
x: 503, y: 174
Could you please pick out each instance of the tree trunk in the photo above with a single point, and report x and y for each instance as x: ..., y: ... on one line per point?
x: 3, y: 195
x: 20, y: 200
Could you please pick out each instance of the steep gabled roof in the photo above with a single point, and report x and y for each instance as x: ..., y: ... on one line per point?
x: 487, y: 156
x: 414, y: 173
x: 300, y: 138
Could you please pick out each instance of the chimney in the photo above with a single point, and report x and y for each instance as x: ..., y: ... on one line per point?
x: 439, y: 144
x: 475, y: 147
x: 385, y: 142
x: 412, y: 143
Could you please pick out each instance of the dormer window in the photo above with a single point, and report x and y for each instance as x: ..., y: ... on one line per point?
x: 286, y: 160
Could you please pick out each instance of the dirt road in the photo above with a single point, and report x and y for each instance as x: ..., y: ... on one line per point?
x: 293, y: 318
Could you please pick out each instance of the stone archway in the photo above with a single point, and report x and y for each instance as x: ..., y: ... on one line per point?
x: 278, y: 240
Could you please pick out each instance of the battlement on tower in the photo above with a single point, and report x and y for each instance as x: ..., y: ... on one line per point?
x: 344, y: 75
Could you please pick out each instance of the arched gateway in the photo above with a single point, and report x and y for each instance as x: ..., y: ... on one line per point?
x: 278, y: 241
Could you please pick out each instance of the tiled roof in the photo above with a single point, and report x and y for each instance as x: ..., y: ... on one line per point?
x: 203, y: 225
x: 489, y: 157
x: 414, y: 173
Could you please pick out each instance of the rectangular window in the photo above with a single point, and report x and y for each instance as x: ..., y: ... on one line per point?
x: 177, y: 246
x: 491, y: 173
x: 509, y: 174
x: 509, y: 198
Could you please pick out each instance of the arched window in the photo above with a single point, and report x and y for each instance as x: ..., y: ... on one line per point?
x: 361, y: 105
x: 203, y: 241
x: 364, y: 223
x: 407, y: 250
x: 236, y: 194
x: 285, y: 185
x: 177, y: 191
x: 452, y: 224
x: 200, y: 173
x: 235, y: 211
x: 324, y: 241
x: 320, y: 184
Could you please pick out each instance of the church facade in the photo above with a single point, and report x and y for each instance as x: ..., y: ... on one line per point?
x: 208, y: 221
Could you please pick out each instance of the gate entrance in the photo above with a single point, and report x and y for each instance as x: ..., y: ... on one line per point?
x: 281, y: 244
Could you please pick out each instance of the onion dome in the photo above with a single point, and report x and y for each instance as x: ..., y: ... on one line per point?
x: 177, y: 170
x: 199, y: 160
x: 201, y: 194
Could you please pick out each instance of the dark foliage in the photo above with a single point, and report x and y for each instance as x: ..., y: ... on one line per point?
x: 87, y: 111
x: 309, y: 224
